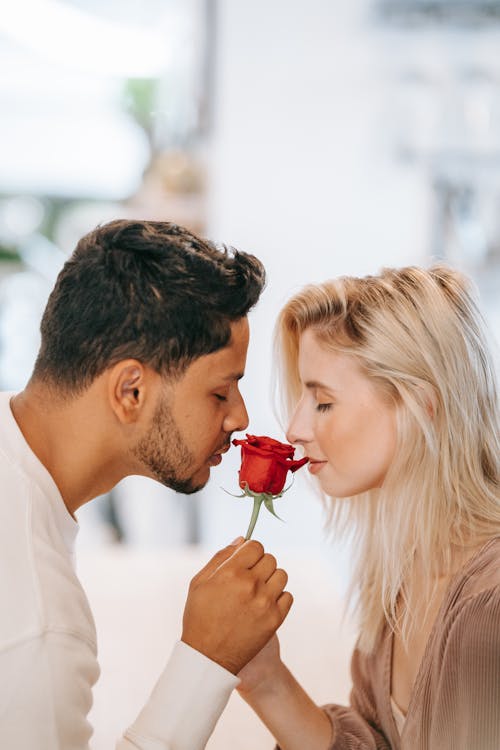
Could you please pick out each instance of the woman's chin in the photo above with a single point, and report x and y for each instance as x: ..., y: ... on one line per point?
x: 342, y: 490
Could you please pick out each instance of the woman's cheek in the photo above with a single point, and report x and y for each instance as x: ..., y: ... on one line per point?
x: 326, y: 437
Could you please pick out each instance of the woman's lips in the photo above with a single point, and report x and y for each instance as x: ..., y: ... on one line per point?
x: 315, y: 466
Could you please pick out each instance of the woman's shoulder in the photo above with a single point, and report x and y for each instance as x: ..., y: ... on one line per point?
x: 482, y: 571
x: 464, y: 664
x: 474, y: 598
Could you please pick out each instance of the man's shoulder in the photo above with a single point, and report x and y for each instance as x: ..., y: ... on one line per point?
x: 39, y: 589
x: 5, y: 397
x: 9, y: 435
x: 15, y: 484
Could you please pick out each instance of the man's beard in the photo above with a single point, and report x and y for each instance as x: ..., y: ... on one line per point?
x: 163, y: 451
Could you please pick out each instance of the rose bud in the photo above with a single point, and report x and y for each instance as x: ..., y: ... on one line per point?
x: 265, y: 463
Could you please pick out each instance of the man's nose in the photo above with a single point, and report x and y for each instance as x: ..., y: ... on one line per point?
x: 237, y: 419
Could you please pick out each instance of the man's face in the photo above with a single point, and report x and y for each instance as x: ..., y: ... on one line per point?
x: 195, y: 417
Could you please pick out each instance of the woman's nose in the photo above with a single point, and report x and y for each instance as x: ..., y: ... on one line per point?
x: 299, y: 431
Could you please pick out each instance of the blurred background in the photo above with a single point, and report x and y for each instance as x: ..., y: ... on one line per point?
x: 325, y: 137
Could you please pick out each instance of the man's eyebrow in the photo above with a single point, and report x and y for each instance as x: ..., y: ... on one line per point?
x: 234, y: 376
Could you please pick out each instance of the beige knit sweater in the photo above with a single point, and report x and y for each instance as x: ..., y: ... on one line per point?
x: 455, y: 704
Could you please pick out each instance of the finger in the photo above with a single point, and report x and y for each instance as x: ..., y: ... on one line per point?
x: 220, y: 557
x: 264, y: 568
x: 247, y: 554
x: 277, y: 582
x: 284, y: 603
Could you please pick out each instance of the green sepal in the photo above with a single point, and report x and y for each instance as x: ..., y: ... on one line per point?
x: 258, y: 499
x: 268, y: 502
x: 243, y: 494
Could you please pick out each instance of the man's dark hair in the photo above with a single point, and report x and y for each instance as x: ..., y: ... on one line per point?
x: 147, y: 290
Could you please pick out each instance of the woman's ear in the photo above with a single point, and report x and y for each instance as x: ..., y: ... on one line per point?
x: 429, y: 397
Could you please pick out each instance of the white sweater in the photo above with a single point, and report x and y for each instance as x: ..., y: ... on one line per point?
x: 48, y: 651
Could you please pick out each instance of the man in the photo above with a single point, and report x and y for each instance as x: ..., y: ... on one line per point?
x: 144, y: 341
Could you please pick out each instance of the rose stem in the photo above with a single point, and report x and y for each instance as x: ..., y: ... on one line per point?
x: 257, y: 502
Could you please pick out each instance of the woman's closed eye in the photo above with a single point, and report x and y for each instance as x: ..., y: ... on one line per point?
x: 323, y: 407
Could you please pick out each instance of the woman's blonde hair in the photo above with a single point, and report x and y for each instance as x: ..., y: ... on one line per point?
x: 419, y: 335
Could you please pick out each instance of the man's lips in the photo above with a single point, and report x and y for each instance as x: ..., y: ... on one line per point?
x: 222, y: 450
x: 216, y: 457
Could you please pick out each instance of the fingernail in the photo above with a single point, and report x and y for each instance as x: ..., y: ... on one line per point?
x: 236, y: 541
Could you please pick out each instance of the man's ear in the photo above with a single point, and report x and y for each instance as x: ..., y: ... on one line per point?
x: 127, y: 389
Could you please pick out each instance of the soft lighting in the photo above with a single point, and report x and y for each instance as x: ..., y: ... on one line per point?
x: 66, y: 34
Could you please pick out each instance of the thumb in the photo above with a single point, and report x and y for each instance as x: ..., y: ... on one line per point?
x: 219, y: 557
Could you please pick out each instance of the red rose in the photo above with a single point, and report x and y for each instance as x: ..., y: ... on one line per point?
x: 265, y: 463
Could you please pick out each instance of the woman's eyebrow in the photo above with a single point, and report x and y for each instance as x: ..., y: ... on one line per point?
x: 316, y: 384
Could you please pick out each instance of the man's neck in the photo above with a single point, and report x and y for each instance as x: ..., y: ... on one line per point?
x: 67, y: 437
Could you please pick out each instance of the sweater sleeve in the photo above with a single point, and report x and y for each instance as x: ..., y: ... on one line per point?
x: 357, y: 726
x: 46, y: 695
x: 185, y: 705
x: 468, y: 699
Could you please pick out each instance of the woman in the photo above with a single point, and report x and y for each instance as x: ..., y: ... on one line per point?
x: 393, y: 397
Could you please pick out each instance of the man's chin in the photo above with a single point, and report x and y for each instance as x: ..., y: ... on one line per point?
x: 186, y: 486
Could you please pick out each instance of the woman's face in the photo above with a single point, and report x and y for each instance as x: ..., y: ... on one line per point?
x: 345, y: 425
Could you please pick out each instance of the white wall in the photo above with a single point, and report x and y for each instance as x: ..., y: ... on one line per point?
x: 304, y: 177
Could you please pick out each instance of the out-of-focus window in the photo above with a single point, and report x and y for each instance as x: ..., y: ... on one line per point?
x: 104, y: 112
x: 446, y: 87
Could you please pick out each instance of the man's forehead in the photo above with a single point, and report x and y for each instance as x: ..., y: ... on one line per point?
x: 225, y: 365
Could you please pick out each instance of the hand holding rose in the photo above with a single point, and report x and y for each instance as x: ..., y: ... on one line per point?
x: 235, y: 604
